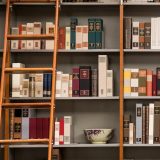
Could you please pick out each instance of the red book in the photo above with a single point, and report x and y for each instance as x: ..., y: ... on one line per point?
x: 32, y: 128
x: 75, y: 82
x: 45, y: 126
x: 62, y: 33
x: 149, y: 82
x: 61, y: 132
x: 154, y: 85
x: 20, y: 32
x: 39, y: 128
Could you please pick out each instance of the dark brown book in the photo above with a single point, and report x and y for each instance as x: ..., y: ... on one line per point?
x: 142, y: 89
x: 156, y: 132
x: 147, y: 35
x: 128, y: 33
x: 11, y: 123
x: 61, y: 40
x: 147, y: 125
x: 56, y: 154
x: 141, y: 35
x: 126, y: 121
x: 85, y: 80
x: 75, y: 82
x: 158, y: 81
x: 154, y: 85
x: 143, y: 124
x: 94, y: 83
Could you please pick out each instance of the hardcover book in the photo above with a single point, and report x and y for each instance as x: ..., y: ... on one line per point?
x: 67, y: 129
x: 62, y: 38
x: 85, y: 37
x: 59, y: 84
x: 79, y: 37
x: 94, y: 82
x: 151, y: 122
x: 37, y: 30
x: 49, y: 30
x: 149, y: 82
x: 147, y: 36
x: 135, y: 35
x: 134, y: 82
x: 38, y: 85
x: 75, y: 82
x: 158, y: 81
x: 24, y: 32
x: 141, y: 35
x: 25, y: 88
x: 68, y: 38
x: 154, y: 85
x: 109, y: 82
x: 32, y: 128
x: 56, y: 136
x: 30, y: 31
x: 31, y: 85
x: 127, y: 82
x: 14, y: 43
x: 39, y: 128
x: 65, y: 85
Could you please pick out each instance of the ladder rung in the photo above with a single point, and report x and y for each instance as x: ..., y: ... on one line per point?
x: 26, y: 105
x: 31, y: 70
x: 6, y: 141
x: 31, y: 1
x: 34, y: 36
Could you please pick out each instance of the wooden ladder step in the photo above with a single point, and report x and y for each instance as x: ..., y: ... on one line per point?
x: 30, y: 70
x: 31, y: 1
x: 26, y: 105
x: 34, y: 36
x: 12, y: 141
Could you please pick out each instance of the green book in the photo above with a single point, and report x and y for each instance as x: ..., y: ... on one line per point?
x: 99, y: 32
x: 74, y: 23
x: 91, y: 34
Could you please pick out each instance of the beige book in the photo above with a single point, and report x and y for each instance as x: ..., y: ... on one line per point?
x: 131, y: 131
x: 68, y: 38
x: 70, y: 85
x: 30, y: 31
x: 38, y: 85
x: 25, y: 87
x: 59, y: 83
x: 79, y: 37
x: 24, y: 32
x: 14, y: 43
x: 37, y: 30
x: 65, y: 85
x: 109, y: 82
x: 85, y: 37
x: 50, y: 27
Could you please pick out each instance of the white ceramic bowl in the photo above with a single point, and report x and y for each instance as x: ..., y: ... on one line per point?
x: 98, y: 136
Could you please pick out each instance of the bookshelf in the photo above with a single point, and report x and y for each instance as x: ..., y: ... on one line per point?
x: 88, y: 112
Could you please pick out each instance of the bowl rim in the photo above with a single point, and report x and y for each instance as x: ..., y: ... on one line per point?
x: 99, y: 129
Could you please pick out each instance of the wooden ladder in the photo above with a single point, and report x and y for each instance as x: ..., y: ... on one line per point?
x: 4, y: 90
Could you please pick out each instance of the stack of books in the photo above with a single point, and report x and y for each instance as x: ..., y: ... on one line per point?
x: 146, y: 130
x: 141, y: 82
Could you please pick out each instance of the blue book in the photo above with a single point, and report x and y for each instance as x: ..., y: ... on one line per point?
x: 45, y: 85
x: 49, y: 84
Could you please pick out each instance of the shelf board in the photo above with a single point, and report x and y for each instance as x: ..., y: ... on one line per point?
x: 34, y: 4
x: 141, y: 50
x: 141, y: 145
x: 142, y: 97
x: 86, y: 145
x: 66, y: 98
x: 141, y: 4
x: 89, y: 4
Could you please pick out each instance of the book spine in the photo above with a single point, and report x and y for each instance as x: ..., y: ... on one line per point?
x: 45, y: 85
x: 25, y: 123
x: 32, y: 128
x: 25, y: 88
x: 62, y: 34
x: 24, y: 32
x: 126, y: 121
x: 154, y: 85
x: 32, y: 85
x: 149, y: 82
x: 98, y: 30
x: 85, y: 81
x: 131, y: 137
x: 135, y: 35
x: 85, y: 37
x: 102, y: 67
x: 79, y: 37
x: 158, y: 81
x: 67, y: 129
x: 49, y: 84
x: 38, y: 85
x: 91, y: 34
x: 20, y: 33
x: 45, y: 127
x: 94, y: 82
x: 147, y: 125
x: 141, y: 35
x: 151, y: 122
x: 61, y: 133
x: 147, y: 36
x: 17, y: 128
x: 142, y: 89
x: 138, y: 123
x: 143, y: 124
x: 109, y: 82
x: 37, y: 30
x: 68, y: 40
x: 74, y: 23
x: 58, y: 84
x: 56, y: 139
x: 11, y: 123
x: 30, y: 31
x: 127, y: 82
x: 127, y: 33
x: 65, y: 85
x: 39, y: 127
x: 75, y: 82
x: 14, y: 43
x: 70, y: 85
x: 153, y: 33
x: 134, y: 82
x: 156, y: 123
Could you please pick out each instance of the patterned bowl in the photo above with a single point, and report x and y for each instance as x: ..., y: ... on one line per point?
x: 98, y: 136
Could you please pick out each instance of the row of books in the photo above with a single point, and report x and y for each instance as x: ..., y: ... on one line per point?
x: 24, y: 124
x: 90, y: 36
x: 63, y: 130
x: 31, y: 85
x: 146, y: 130
x: 141, y: 82
x: 141, y: 0
x: 30, y: 29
